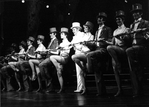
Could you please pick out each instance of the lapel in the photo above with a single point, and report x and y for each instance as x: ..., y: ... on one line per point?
x: 141, y: 24
x: 50, y: 45
x: 102, y: 31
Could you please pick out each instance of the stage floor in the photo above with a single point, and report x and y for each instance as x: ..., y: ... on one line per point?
x: 71, y: 99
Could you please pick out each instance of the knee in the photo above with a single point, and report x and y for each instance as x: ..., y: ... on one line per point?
x: 89, y: 55
x: 109, y: 48
x: 73, y: 57
x: 51, y: 58
x: 128, y: 51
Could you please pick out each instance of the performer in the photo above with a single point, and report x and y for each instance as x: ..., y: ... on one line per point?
x: 77, y: 38
x: 9, y: 70
x: 80, y: 56
x: 135, y: 53
x: 118, y: 47
x: 24, y: 67
x: 18, y: 56
x: 35, y: 62
x: 62, y: 58
x: 97, y: 58
x: 45, y: 65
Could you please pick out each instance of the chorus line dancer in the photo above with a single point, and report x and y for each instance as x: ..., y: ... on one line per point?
x: 60, y: 59
x: 45, y: 65
x: 118, y: 47
x: 80, y: 57
x: 97, y: 58
x: 135, y: 53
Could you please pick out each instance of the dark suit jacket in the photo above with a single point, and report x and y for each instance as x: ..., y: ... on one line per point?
x: 140, y: 35
x: 31, y: 51
x: 105, y: 34
x: 53, y: 44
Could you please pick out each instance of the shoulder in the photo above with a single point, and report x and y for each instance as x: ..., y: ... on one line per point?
x: 32, y: 47
x: 106, y: 28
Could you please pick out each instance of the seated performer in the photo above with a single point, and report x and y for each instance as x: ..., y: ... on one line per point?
x: 45, y: 75
x: 61, y: 58
x: 135, y: 53
x: 11, y: 67
x: 38, y: 58
x: 118, y: 47
x: 80, y: 56
x: 97, y: 58
x: 24, y: 67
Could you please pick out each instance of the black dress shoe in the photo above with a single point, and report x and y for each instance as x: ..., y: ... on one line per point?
x: 29, y: 90
x: 118, y: 94
x: 84, y: 92
x: 50, y: 91
x: 138, y: 95
x: 61, y: 91
x: 20, y: 89
x: 39, y: 90
x: 101, y: 95
x: 4, y: 90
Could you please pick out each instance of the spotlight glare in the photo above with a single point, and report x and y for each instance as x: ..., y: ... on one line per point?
x: 23, y: 1
x: 47, y: 6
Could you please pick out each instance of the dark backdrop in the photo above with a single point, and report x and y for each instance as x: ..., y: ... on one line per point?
x: 15, y: 16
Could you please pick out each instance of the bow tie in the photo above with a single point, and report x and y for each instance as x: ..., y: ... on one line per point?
x: 138, y: 21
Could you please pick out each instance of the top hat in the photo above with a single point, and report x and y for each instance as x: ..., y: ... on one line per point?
x: 89, y: 24
x: 64, y: 29
x: 102, y: 14
x: 76, y: 25
x: 120, y: 13
x: 53, y: 30
x: 41, y: 37
x: 136, y: 7
x: 23, y: 44
x: 31, y: 39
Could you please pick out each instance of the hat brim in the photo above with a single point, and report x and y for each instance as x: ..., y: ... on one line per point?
x: 64, y: 32
x: 76, y: 27
x: 85, y: 25
x: 138, y: 10
x: 119, y: 16
x: 54, y: 32
x: 101, y: 16
x: 40, y: 39
x: 30, y: 40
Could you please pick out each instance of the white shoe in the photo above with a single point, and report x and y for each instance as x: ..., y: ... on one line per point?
x: 77, y: 91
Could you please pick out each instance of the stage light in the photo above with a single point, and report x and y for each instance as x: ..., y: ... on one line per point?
x: 23, y: 1
x: 126, y: 1
x: 47, y: 6
x: 68, y: 13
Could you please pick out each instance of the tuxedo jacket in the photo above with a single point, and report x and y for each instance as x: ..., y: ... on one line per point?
x: 140, y: 40
x: 106, y: 34
x: 31, y: 51
x: 53, y: 44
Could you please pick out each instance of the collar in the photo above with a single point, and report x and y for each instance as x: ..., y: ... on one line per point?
x: 122, y: 26
x: 88, y: 33
x: 136, y: 21
x: 53, y: 38
x: 100, y: 27
x: 29, y: 46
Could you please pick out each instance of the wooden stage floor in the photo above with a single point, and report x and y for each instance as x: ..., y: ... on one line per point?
x: 71, y: 99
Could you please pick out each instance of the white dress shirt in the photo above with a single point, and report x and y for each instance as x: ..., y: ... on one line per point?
x: 87, y: 37
x: 40, y: 48
x: 65, y: 45
x: 119, y: 30
x: 136, y: 23
x: 76, y: 40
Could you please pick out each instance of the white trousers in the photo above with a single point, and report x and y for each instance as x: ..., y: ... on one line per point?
x: 80, y: 78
